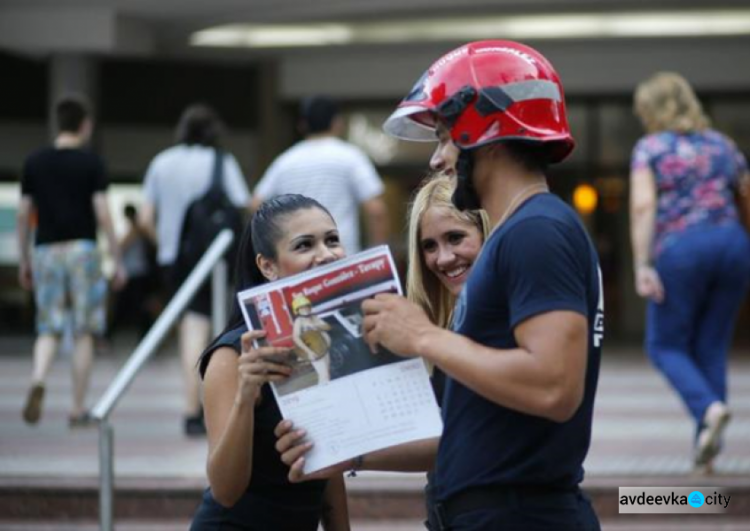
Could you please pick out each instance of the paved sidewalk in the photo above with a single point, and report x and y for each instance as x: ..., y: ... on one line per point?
x: 640, y: 427
x: 641, y: 434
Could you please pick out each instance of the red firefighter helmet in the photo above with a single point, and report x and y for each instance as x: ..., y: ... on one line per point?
x: 484, y: 92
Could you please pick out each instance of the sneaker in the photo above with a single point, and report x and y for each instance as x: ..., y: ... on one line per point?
x: 703, y: 470
x: 32, y: 411
x: 194, y: 425
x: 709, y: 438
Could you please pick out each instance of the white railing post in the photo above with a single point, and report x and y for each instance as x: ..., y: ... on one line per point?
x: 106, y: 475
x: 212, y: 263
x: 219, y: 297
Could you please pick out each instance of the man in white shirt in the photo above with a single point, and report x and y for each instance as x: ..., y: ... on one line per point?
x: 174, y: 179
x: 335, y: 173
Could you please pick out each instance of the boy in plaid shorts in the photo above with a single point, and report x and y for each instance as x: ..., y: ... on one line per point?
x: 65, y: 186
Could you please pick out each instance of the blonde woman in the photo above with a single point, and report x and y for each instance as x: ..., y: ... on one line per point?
x: 691, y: 255
x: 443, y: 244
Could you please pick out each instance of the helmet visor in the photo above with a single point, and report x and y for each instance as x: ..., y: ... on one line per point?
x: 411, y: 123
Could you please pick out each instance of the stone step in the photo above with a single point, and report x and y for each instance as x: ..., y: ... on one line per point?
x: 623, y: 523
x: 371, y: 498
x: 87, y: 525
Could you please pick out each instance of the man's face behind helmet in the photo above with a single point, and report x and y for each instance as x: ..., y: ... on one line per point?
x: 486, y: 92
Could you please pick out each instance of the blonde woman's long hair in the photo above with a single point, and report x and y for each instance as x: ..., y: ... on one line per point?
x: 422, y: 286
x: 667, y: 102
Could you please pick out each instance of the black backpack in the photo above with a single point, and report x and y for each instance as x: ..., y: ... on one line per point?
x: 204, y: 219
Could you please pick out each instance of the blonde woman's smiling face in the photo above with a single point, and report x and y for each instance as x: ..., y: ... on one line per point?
x: 449, y: 246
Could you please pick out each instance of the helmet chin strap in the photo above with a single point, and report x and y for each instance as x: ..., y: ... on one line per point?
x: 465, y: 196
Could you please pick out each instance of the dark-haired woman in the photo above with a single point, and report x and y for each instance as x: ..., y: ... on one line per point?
x: 249, y: 489
x: 175, y: 178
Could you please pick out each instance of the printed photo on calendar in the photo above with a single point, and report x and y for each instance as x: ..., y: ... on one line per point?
x: 350, y: 399
x: 318, y: 316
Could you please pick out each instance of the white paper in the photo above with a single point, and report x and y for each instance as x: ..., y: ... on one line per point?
x: 370, y: 401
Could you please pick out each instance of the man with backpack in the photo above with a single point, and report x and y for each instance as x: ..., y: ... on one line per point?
x: 182, y: 181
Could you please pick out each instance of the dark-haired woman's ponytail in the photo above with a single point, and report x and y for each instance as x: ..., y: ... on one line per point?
x: 246, y: 275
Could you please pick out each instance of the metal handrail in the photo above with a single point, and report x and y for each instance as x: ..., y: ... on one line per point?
x: 212, y: 263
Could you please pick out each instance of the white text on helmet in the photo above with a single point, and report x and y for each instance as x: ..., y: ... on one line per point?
x: 526, y: 57
x: 455, y: 54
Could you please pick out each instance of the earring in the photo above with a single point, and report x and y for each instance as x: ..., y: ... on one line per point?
x: 271, y: 273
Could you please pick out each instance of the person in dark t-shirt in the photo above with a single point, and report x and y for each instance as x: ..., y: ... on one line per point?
x: 65, y: 186
x: 522, y: 360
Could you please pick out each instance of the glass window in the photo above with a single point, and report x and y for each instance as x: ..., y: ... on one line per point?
x: 733, y: 119
x: 620, y: 130
x: 578, y: 128
x: 365, y: 130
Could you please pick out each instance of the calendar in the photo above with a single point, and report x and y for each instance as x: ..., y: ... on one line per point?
x: 350, y: 400
x: 398, y: 396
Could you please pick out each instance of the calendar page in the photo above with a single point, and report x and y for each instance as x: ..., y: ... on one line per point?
x: 350, y: 400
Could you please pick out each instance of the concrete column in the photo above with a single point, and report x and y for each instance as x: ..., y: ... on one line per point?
x: 268, y: 130
x: 632, y: 310
x: 71, y: 74
x: 275, y: 126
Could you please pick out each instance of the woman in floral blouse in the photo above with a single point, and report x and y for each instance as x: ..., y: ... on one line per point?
x: 691, y: 254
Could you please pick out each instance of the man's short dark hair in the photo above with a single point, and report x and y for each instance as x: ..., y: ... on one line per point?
x: 534, y: 156
x: 130, y: 211
x: 317, y: 114
x: 71, y: 111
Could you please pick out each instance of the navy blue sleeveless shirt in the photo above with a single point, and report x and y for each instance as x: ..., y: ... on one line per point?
x: 271, y: 502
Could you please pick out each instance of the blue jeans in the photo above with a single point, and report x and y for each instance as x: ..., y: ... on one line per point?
x: 705, y: 272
